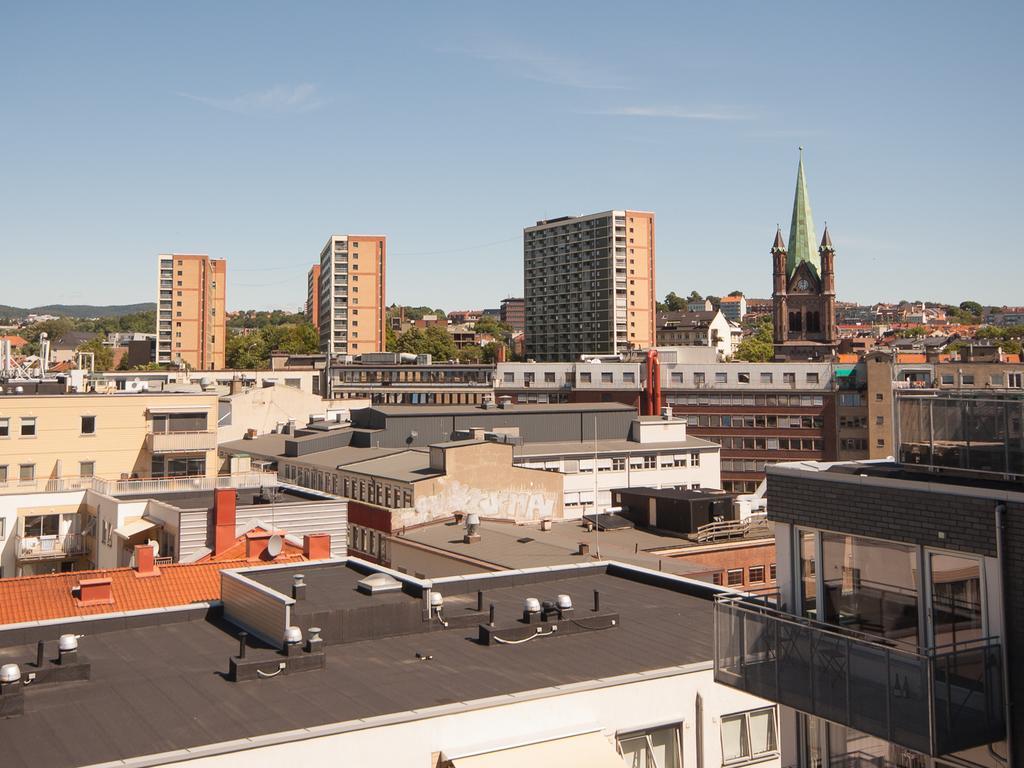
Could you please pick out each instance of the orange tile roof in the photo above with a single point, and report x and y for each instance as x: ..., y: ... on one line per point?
x: 16, y: 341
x: 1012, y: 358
x: 237, y: 550
x: 38, y: 598
x: 730, y: 298
x: 845, y: 357
x: 911, y: 357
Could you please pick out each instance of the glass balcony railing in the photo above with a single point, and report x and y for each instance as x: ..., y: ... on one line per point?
x: 935, y: 701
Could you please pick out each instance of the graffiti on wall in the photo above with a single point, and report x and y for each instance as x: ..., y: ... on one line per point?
x: 509, y: 505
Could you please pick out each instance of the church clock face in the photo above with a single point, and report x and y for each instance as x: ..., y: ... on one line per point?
x: 803, y: 285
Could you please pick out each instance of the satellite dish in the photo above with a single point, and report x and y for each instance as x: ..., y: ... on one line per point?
x: 275, y: 545
x: 155, y: 545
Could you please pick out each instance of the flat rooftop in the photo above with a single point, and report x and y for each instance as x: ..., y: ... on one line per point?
x: 615, y: 446
x: 162, y: 687
x: 527, y: 546
x: 891, y: 470
x: 474, y: 410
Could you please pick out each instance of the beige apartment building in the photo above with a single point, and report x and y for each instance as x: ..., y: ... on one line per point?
x: 48, y: 438
x: 313, y: 296
x: 191, y: 320
x: 353, y: 304
x: 589, y: 285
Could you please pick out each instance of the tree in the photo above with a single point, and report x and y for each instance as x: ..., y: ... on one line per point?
x: 971, y: 306
x: 490, y: 351
x: 673, y: 303
x: 913, y: 332
x: 759, y: 347
x: 245, y: 351
x: 390, y: 339
x: 252, y: 350
x: 470, y: 354
x: 694, y: 296
x: 434, y: 341
x: 734, y: 294
x: 715, y: 300
x: 103, y: 356
x: 492, y: 326
x: 755, y: 350
x: 411, y: 341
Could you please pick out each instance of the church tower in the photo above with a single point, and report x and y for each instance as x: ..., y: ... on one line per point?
x: 803, y: 285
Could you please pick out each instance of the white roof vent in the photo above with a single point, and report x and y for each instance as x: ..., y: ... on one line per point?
x: 378, y: 583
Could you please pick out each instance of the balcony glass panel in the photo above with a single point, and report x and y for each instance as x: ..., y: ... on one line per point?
x: 933, y: 701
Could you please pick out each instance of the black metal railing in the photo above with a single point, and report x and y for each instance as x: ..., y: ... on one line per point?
x: 934, y: 701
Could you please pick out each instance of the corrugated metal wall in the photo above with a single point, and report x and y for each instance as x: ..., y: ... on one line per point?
x: 295, y: 519
x: 298, y: 519
x: 258, y: 611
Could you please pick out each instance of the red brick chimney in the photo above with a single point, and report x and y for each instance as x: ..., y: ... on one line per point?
x: 316, y: 546
x: 145, y: 561
x: 256, y: 545
x: 224, y: 502
x: 95, y: 592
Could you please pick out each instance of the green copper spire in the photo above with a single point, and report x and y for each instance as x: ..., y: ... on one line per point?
x: 802, y: 240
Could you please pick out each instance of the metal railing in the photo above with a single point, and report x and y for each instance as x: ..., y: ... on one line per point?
x: 53, y: 546
x: 934, y: 700
x: 723, y: 530
x: 131, y: 487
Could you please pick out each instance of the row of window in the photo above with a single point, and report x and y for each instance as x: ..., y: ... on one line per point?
x: 27, y: 472
x: 781, y: 401
x: 746, y: 737
x: 766, y: 443
x: 699, y: 378
x: 585, y: 377
x: 360, y: 489
x: 740, y: 486
x: 367, y: 541
x: 745, y: 465
x: 617, y: 463
x: 162, y: 423
x: 755, y: 575
x: 755, y: 421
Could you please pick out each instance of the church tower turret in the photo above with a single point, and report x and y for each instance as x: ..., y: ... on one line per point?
x: 803, y: 285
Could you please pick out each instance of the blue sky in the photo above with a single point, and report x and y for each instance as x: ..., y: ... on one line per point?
x: 251, y: 131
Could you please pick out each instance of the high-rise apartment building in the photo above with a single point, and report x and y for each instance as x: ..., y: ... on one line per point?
x: 589, y: 283
x: 313, y: 296
x: 513, y: 313
x: 191, y: 323
x: 352, y: 294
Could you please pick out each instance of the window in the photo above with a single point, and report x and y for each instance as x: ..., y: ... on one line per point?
x: 721, y: 378
x: 656, y: 748
x: 619, y: 464
x: 650, y: 462
x: 694, y: 459
x: 88, y: 425
x: 734, y: 577
x: 772, y: 570
x: 947, y: 378
x: 585, y: 377
x: 880, y: 442
x: 967, y: 379
x: 698, y: 379
x: 86, y: 468
x: 26, y: 472
x: 606, y: 378
x: 28, y: 426
x: 677, y: 378
x: 748, y: 736
x: 3, y: 474
x: 755, y: 574
x: 42, y: 525
x: 743, y: 378
x: 549, y: 377
x: 716, y: 578
x: 509, y: 377
x: 812, y: 378
x: 879, y: 420
x: 5, y: 427
x: 878, y: 397
x: 766, y: 378
x: 629, y: 377
x: 1014, y: 380
x: 789, y: 378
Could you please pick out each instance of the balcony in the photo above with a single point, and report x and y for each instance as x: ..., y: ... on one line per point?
x: 178, y: 442
x: 46, y: 547
x: 934, y: 701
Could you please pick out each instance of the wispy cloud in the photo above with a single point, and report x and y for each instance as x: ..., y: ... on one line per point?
x: 542, y: 67
x: 281, y: 98
x: 676, y: 113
